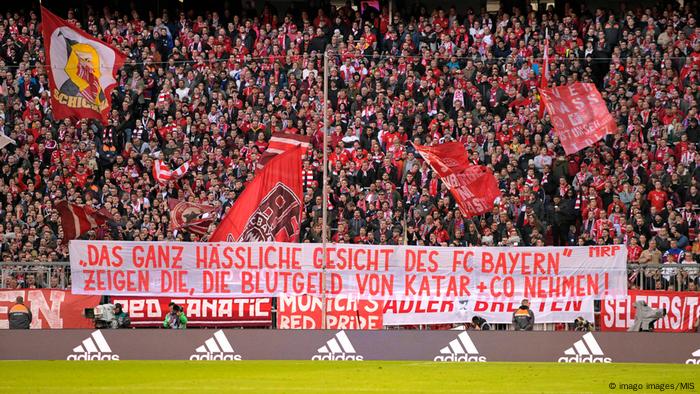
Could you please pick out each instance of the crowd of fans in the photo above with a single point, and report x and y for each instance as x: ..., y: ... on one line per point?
x: 210, y: 89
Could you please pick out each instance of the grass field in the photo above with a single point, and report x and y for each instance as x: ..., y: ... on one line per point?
x: 334, y: 377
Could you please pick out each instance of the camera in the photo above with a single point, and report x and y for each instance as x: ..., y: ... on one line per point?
x: 102, y: 315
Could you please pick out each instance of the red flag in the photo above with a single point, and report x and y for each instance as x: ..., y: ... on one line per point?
x: 579, y: 115
x: 269, y: 208
x: 82, y: 70
x: 280, y: 143
x: 190, y: 216
x: 474, y: 187
x: 76, y: 220
x: 545, y: 73
x: 163, y: 174
x: 521, y: 102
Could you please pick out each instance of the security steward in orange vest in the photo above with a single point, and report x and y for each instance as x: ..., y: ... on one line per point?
x: 523, y: 317
x: 20, y: 316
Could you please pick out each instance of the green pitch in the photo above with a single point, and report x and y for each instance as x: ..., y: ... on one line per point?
x: 335, y: 377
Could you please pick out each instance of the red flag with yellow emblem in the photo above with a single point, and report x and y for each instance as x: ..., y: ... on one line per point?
x: 82, y: 70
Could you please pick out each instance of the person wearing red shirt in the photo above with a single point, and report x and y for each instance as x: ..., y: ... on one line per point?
x: 633, y: 251
x: 340, y: 155
x: 657, y: 197
x: 441, y: 233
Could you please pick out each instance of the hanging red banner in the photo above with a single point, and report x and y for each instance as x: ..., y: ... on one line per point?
x: 578, y: 114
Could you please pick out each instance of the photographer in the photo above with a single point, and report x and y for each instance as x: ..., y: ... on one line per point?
x: 122, y: 318
x: 480, y: 323
x: 645, y: 317
x: 581, y: 324
x: 176, y: 318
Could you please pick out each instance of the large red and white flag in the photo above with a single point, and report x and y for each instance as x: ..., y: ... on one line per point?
x: 82, y: 70
x: 269, y: 209
x: 163, y: 173
x: 280, y: 143
x: 76, y: 220
x: 474, y: 187
x: 545, y: 72
x: 189, y: 216
x: 579, y: 115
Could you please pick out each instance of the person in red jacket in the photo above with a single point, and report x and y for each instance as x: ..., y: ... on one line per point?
x: 658, y: 197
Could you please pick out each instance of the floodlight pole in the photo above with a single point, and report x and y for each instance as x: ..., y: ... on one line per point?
x: 324, y: 225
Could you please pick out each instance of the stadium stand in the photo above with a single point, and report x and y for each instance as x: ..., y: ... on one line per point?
x: 211, y: 88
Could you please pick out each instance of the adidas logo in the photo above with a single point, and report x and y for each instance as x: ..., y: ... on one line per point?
x: 338, y: 348
x: 216, y: 348
x: 460, y: 349
x: 95, y: 347
x: 585, y: 350
x: 695, y: 360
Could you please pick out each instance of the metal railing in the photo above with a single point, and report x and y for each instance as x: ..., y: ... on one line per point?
x: 669, y: 276
x: 42, y: 271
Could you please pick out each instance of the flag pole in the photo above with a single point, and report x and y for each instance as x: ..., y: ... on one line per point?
x: 391, y: 18
x: 324, y: 225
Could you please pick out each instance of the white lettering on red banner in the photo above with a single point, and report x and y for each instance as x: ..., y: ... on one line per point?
x: 182, y: 269
x: 579, y: 115
x: 200, y: 312
x: 50, y: 308
x: 682, y: 309
x: 342, y: 313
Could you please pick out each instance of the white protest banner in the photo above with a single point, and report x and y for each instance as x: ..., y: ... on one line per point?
x: 376, y: 272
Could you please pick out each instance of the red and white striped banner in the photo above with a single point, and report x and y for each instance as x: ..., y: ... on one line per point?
x: 163, y: 173
x: 280, y: 143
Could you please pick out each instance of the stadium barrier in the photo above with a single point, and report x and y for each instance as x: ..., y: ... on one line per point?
x: 43, y: 272
x: 456, y: 346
